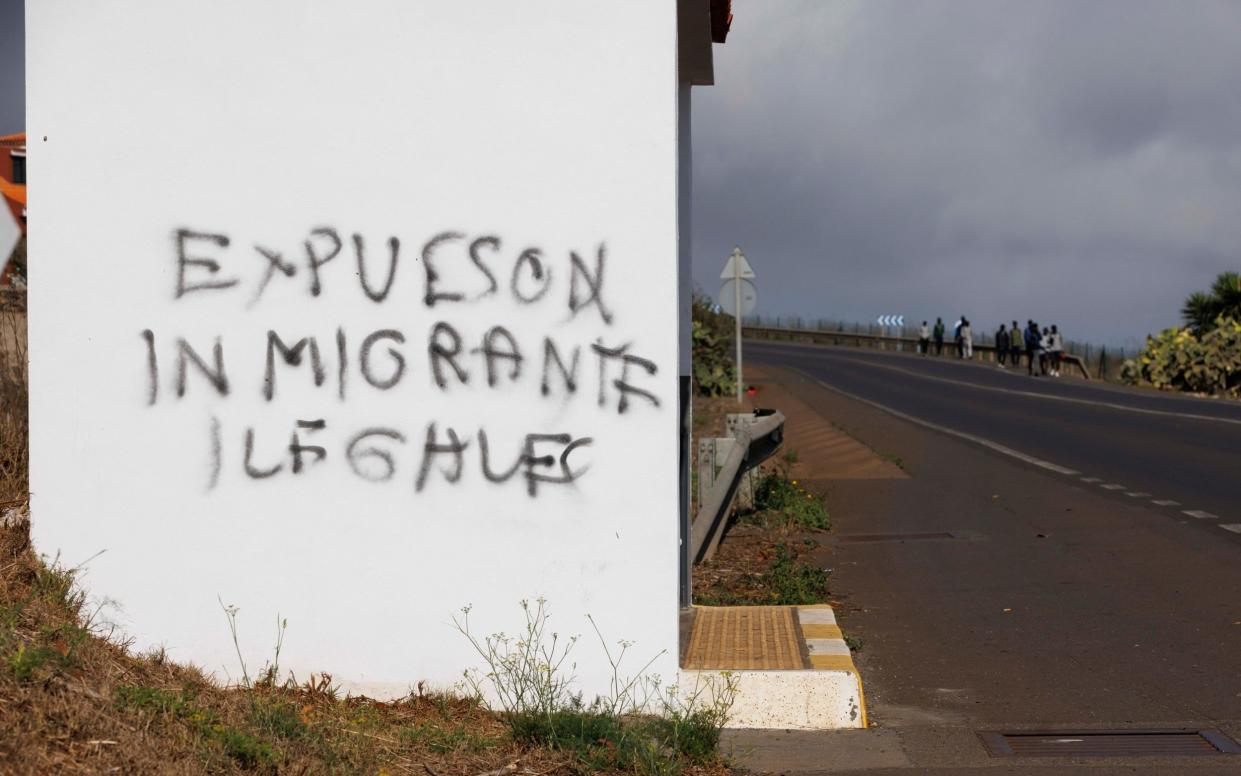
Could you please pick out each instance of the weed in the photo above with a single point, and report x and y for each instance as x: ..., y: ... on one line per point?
x: 854, y: 643
x: 781, y: 501
x: 791, y: 456
x: 894, y: 459
x: 639, y: 726
x: 26, y: 661
x: 792, y: 582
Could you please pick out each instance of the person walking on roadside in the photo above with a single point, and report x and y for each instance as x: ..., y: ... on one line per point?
x: 1044, y: 347
x: 1001, y: 346
x: 1032, y: 338
x: 1055, y: 351
x: 1015, y: 344
x: 939, y: 336
x: 956, y: 336
x: 967, y: 339
x: 924, y: 339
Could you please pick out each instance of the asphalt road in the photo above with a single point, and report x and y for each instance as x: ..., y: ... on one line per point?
x: 995, y: 590
x: 1167, y: 447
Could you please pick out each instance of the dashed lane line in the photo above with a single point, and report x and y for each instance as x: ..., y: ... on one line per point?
x: 1008, y: 451
x: 997, y: 447
x: 1199, y: 514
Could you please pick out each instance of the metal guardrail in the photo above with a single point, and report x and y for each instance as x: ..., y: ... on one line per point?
x: 985, y: 351
x: 756, y: 442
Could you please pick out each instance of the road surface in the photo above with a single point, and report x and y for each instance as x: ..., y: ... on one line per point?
x: 1004, y: 585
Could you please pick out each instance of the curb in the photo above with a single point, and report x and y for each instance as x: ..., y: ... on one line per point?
x: 825, y: 693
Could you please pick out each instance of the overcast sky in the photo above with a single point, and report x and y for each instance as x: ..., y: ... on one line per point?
x: 1074, y: 162
x: 12, y: 67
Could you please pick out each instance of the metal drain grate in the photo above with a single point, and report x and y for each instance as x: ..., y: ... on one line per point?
x: 1108, y: 743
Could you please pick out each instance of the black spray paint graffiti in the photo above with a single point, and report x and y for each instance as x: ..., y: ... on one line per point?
x: 372, y: 455
x: 445, y: 357
x: 201, y: 259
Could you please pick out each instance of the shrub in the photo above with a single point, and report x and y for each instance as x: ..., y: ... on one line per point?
x: 712, y: 354
x: 1179, y: 359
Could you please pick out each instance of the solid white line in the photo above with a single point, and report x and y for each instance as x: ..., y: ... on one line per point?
x: 1112, y: 486
x: 1091, y: 480
x: 1037, y: 395
x: 999, y: 448
x: 1234, y: 527
x: 1166, y: 502
x: 1198, y: 513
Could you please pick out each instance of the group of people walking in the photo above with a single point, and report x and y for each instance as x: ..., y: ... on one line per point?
x: 1042, y: 346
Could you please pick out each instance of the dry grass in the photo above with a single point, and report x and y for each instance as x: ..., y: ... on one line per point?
x: 14, y: 422
x: 73, y: 699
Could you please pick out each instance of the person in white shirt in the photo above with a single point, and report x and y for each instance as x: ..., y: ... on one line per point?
x: 924, y: 339
x: 1055, y: 351
x: 967, y: 339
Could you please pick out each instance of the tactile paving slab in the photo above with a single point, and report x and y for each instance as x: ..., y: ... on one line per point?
x: 746, y: 638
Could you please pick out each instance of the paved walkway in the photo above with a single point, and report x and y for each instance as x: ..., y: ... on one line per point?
x: 824, y: 451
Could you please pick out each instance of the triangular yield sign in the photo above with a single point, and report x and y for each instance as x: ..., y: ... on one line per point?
x: 730, y: 268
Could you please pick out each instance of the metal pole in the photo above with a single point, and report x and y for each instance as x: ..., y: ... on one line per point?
x: 737, y: 314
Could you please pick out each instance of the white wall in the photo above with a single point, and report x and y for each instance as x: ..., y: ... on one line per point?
x: 548, y: 125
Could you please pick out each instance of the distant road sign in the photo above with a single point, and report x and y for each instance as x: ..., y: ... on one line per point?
x: 728, y: 297
x: 891, y: 320
x: 731, y: 269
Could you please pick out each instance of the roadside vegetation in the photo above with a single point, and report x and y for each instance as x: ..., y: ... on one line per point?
x: 712, y: 349
x: 771, y: 553
x: 1204, y: 355
x: 75, y: 699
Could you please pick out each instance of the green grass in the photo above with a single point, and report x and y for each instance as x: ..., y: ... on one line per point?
x: 793, y: 582
x: 640, y: 744
x: 781, y: 501
x: 788, y: 582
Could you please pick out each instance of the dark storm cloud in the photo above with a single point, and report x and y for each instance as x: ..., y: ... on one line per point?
x: 1075, y: 162
x: 12, y: 67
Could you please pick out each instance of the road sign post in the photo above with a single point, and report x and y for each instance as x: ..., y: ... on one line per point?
x: 738, y: 300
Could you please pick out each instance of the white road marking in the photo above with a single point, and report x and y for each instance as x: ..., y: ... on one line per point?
x: 1112, y: 486
x: 1091, y: 480
x: 1138, y: 494
x: 1198, y: 513
x: 1166, y: 502
x: 997, y: 447
x: 1234, y: 527
x: 1035, y: 394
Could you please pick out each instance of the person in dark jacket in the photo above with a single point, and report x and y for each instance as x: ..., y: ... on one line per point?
x: 1001, y: 346
x: 1032, y: 340
x: 939, y: 336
